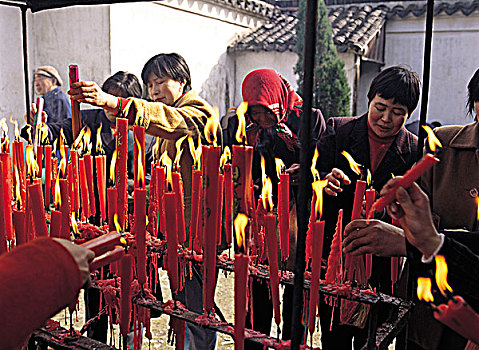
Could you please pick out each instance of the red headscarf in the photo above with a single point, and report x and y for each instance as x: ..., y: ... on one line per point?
x: 266, y: 87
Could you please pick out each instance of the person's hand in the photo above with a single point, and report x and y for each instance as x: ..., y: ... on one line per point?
x: 82, y: 257
x: 336, y: 178
x: 90, y: 92
x: 293, y: 172
x: 414, y: 214
x: 376, y: 237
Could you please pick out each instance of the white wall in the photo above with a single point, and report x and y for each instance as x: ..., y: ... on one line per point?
x: 244, y: 62
x: 197, y: 30
x: 12, y: 95
x: 455, y: 48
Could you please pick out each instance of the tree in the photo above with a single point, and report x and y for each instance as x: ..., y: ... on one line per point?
x: 331, y: 91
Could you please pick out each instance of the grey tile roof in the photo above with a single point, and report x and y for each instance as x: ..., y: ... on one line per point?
x: 258, y: 7
x: 353, y: 25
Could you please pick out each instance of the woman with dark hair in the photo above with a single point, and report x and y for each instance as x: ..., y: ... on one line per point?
x: 176, y: 111
x: 379, y: 141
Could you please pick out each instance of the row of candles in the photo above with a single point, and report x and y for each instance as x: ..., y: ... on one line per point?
x: 210, y: 189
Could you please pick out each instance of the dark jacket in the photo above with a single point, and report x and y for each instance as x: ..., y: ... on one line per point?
x: 57, y: 106
x: 351, y: 134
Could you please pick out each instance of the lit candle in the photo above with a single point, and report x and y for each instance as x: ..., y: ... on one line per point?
x: 121, y: 170
x: 7, y: 191
x: 20, y: 164
x: 172, y: 240
x: 48, y: 174
x: 140, y: 213
x: 56, y: 214
x: 139, y: 137
x: 210, y: 168
x: 75, y: 181
x: 241, y: 267
x: 100, y: 162
x: 180, y: 212
x: 195, y: 205
x: 228, y: 203
x: 85, y: 199
x: 89, y: 177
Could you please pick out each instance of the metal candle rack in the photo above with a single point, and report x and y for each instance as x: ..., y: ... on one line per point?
x: 379, y: 337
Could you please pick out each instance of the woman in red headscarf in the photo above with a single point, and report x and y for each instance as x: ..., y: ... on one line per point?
x: 274, y: 112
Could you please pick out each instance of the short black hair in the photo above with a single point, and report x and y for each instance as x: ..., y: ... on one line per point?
x: 170, y: 65
x: 399, y: 83
x: 472, y: 92
x: 123, y: 84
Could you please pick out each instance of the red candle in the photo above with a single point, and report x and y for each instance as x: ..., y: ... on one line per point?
x: 126, y: 263
x: 358, y: 199
x: 35, y: 196
x: 140, y: 230
x: 103, y: 243
x: 89, y: 177
x: 195, y: 205
x: 272, y: 249
x: 211, y: 163
x: 317, y: 238
x: 411, y: 175
x: 228, y: 203
x: 370, y: 196
x: 76, y: 120
x: 121, y: 170
x: 112, y: 201
x: 65, y: 208
x: 101, y: 181
x: 172, y: 240
x: 161, y: 204
x: 7, y: 191
x: 38, y: 115
x: 138, y: 139
x: 283, y: 214
x: 84, y: 188
x: 40, y: 159
x: 75, y: 181
x: 54, y: 166
x: 55, y: 223
x: 153, y: 202
x: 20, y: 163
x: 180, y: 207
x: 3, y: 204
x: 221, y: 180
x: 111, y: 256
x: 241, y: 267
x: 19, y: 223
x: 242, y: 168
x: 460, y: 317
x: 48, y: 174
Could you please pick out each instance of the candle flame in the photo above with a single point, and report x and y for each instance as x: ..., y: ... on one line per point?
x: 225, y: 157
x: 99, y: 144
x: 166, y: 161
x: 211, y: 128
x: 63, y: 161
x: 117, y: 224
x: 5, y: 145
x: 17, y: 131
x: 191, y: 145
x: 318, y: 187
x: 432, y: 140
x: 32, y: 165
x: 441, y: 274
x: 29, y: 133
x: 141, y: 172
x: 44, y: 133
x: 424, y: 289
x: 74, y: 224
x: 314, y: 171
x: 263, y: 170
x: 18, y: 195
x: 199, y: 152
x: 87, y: 145
x: 58, y: 195
x: 241, y: 131
x: 240, y: 223
x: 179, y: 150
x: 280, y: 167
x: 78, y: 143
x: 477, y: 201
x: 356, y: 167
x: 113, y: 167
x: 156, y: 148
x: 267, y: 194
x: 122, y: 239
x: 369, y: 177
